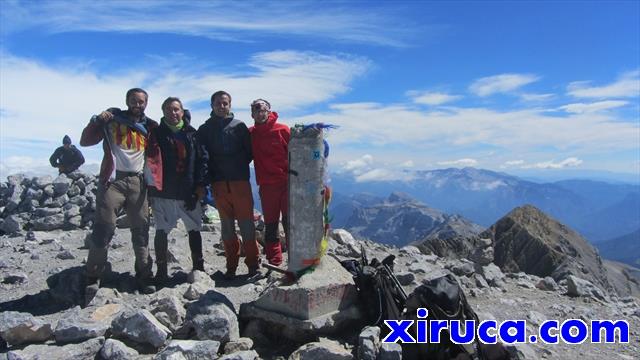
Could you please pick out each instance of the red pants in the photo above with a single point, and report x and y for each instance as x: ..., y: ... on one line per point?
x: 275, y: 201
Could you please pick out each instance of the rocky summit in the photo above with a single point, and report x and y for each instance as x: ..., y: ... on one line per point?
x: 202, y: 315
x: 530, y: 241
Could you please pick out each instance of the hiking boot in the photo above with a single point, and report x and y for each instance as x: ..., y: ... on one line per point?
x: 230, y: 274
x: 253, y: 271
x: 161, y: 275
x: 145, y: 286
x: 198, y: 263
x: 90, y: 291
x: 256, y: 274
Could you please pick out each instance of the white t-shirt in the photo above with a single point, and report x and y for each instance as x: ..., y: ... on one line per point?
x: 127, y: 147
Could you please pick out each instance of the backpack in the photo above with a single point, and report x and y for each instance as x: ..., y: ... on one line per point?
x: 379, y: 291
x: 383, y: 298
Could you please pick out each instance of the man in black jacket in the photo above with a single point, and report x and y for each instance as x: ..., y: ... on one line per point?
x: 67, y: 158
x: 172, y: 146
x: 225, y: 146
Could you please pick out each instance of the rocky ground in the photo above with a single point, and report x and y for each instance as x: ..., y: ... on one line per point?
x: 41, y: 273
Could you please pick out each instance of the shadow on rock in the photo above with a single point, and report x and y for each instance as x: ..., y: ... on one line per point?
x: 66, y: 290
x: 238, y: 280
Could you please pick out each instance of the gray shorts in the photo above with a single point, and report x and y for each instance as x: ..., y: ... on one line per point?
x: 166, y: 213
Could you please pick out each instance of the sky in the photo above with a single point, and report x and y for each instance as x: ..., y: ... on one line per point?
x: 526, y: 86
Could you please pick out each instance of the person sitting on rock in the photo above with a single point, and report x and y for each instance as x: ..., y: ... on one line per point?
x: 172, y: 194
x: 67, y: 158
x: 225, y: 146
x: 124, y: 136
x: 269, y: 142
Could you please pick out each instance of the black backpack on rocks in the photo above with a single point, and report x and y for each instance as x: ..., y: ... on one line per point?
x: 383, y: 298
x: 445, y: 300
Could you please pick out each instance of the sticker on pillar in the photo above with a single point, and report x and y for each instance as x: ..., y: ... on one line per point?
x: 316, y: 154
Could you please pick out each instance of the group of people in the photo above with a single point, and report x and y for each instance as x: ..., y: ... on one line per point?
x: 169, y: 165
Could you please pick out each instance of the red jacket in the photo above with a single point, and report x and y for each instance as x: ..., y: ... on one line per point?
x: 269, y: 142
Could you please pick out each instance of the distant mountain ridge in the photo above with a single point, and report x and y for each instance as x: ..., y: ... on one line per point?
x: 400, y: 220
x: 625, y: 249
x: 483, y: 196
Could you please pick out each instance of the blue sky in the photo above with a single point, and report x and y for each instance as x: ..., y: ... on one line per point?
x: 510, y: 86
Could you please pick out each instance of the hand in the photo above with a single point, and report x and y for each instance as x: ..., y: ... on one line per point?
x: 60, y: 168
x: 105, y: 116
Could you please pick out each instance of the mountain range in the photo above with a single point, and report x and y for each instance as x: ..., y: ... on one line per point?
x: 597, y: 210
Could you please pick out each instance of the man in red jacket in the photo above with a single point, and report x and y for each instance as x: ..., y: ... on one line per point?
x: 269, y: 142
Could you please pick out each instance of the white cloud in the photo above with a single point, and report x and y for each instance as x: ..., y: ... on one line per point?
x: 566, y: 163
x: 512, y: 163
x: 220, y: 20
x: 432, y: 98
x: 383, y: 174
x: 536, y: 97
x: 358, y: 164
x: 407, y: 164
x: 627, y: 85
x: 459, y: 162
x: 502, y: 83
x: 382, y: 127
x: 74, y: 92
x: 580, y: 108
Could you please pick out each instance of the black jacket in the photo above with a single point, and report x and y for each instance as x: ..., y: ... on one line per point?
x: 178, y: 172
x: 70, y: 158
x: 225, y: 147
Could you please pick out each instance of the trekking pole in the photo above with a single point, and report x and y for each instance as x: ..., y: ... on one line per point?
x: 396, y: 283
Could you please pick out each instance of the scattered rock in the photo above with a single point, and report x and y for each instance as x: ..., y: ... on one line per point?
x: 405, y: 278
x: 547, y: 284
x: 462, y: 267
x: 483, y: 253
x: 15, y: 278
x: 579, y: 287
x: 322, y: 350
x: 11, y: 224
x: 42, y: 181
x: 242, y: 344
x: 241, y: 355
x: 22, y: 328
x: 369, y: 343
x: 61, y: 184
x: 493, y: 275
x: 390, y: 351
x: 86, y: 350
x: 169, y: 311
x: 212, y: 318
x: 78, y: 328
x: 49, y: 223
x: 65, y: 255
x: 140, y: 326
x: 347, y: 246
x: 116, y: 350
x: 189, y: 349
x: 30, y: 236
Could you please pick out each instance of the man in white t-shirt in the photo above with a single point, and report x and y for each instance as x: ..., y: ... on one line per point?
x: 124, y: 136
